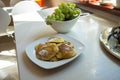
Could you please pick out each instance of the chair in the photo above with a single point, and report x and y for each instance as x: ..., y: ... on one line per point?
x: 25, y: 6
x: 14, y: 2
x: 5, y: 20
x: 2, y: 4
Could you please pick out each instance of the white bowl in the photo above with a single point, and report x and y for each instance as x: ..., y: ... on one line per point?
x: 63, y: 26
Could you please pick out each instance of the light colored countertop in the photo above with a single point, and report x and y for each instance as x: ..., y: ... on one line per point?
x: 95, y: 63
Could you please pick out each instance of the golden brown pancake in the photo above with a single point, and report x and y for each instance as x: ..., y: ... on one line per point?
x: 56, y: 39
x: 46, y: 51
x: 55, y: 49
x: 65, y: 51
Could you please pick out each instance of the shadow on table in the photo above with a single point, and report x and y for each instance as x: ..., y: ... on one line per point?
x: 110, y: 56
x: 47, y: 72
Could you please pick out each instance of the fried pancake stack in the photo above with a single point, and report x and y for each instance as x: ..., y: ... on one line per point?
x: 55, y: 49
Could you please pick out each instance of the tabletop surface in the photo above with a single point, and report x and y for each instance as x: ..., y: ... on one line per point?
x: 95, y: 63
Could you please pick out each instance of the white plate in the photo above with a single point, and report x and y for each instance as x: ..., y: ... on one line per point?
x: 103, y: 38
x: 49, y: 65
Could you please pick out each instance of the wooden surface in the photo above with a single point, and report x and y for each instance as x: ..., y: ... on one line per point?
x: 6, y: 2
x: 107, y: 10
x: 52, y: 3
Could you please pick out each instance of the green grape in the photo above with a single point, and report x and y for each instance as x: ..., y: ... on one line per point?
x: 64, y: 12
x: 61, y: 18
x: 57, y: 17
x: 63, y: 5
x: 48, y: 17
x: 77, y: 11
x: 71, y: 12
x: 71, y: 5
x: 67, y: 16
x: 62, y: 15
x: 57, y: 10
x: 53, y: 17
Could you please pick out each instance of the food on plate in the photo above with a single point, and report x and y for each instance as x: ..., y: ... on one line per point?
x: 46, y: 51
x: 64, y: 12
x: 54, y: 49
x: 115, y: 36
x: 65, y: 51
x: 55, y: 39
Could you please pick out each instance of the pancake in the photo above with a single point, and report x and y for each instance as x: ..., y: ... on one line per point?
x: 46, y: 51
x: 55, y: 39
x: 65, y: 51
x: 55, y: 49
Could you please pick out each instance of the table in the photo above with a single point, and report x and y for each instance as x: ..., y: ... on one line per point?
x: 95, y: 63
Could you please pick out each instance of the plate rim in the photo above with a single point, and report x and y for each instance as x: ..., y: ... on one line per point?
x: 104, y: 44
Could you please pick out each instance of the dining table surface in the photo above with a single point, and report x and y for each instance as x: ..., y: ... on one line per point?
x: 94, y: 63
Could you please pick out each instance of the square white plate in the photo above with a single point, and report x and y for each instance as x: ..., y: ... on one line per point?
x: 30, y: 51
